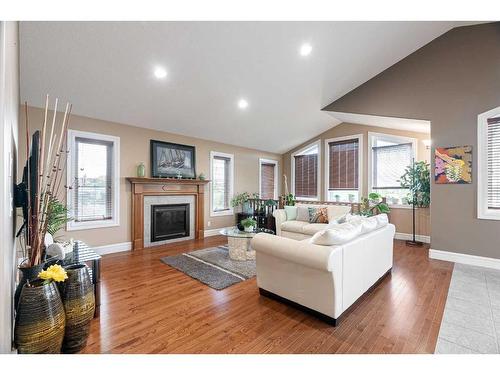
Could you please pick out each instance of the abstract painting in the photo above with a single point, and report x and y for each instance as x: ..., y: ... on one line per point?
x: 172, y: 160
x: 453, y: 165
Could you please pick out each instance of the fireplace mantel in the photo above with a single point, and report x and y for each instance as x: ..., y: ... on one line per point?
x: 164, y: 186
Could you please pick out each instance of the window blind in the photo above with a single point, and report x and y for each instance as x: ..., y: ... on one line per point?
x: 92, y: 198
x: 389, y: 164
x: 267, y: 171
x: 306, y: 176
x: 343, y: 165
x: 220, y: 183
x: 493, y: 149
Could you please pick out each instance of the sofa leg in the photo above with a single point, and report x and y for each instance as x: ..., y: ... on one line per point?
x: 317, y: 314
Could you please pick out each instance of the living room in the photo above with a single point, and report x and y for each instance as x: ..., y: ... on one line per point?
x: 279, y: 187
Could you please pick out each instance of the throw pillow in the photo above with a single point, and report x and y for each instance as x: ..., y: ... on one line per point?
x: 291, y: 212
x: 318, y: 215
x: 338, y: 235
x: 302, y: 214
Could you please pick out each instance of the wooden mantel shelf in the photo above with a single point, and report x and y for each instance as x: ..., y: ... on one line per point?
x: 143, y: 186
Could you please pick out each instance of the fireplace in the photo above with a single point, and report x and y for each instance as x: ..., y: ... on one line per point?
x: 169, y: 221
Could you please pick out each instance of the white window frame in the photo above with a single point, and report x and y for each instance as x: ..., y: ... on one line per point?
x: 213, y: 154
x: 359, y: 137
x: 483, y: 212
x: 276, y: 166
x: 70, y: 178
x: 389, y: 138
x: 318, y: 172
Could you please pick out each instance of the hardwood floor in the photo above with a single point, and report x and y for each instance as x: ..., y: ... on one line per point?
x: 149, y: 307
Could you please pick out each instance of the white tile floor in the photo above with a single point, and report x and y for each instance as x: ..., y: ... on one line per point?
x: 471, y: 320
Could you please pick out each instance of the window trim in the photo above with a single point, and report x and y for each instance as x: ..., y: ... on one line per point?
x: 230, y: 211
x: 483, y: 212
x: 359, y: 137
x: 70, y: 175
x: 390, y: 137
x: 276, y: 166
x: 318, y: 172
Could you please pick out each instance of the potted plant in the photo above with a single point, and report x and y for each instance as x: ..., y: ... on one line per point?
x: 373, y: 205
x: 289, y: 199
x: 241, y: 200
x: 337, y: 198
x: 351, y: 197
x: 249, y: 224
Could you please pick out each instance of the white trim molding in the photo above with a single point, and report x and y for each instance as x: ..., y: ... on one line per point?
x: 483, y: 212
x: 113, y: 248
x: 276, y: 167
x: 359, y: 137
x: 409, y: 236
x: 213, y: 154
x: 70, y: 175
x: 214, y: 232
x: 472, y: 260
x: 303, y: 150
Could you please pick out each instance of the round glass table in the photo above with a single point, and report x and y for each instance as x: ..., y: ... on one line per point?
x: 239, y: 242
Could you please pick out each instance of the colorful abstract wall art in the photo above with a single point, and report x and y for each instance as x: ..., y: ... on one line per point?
x: 453, y: 165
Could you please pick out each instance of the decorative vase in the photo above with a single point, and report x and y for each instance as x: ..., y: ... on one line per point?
x: 40, y: 319
x: 249, y: 229
x: 27, y: 274
x: 77, y: 294
x: 141, y: 170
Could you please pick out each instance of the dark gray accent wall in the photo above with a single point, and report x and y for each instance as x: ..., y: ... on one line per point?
x: 449, y: 82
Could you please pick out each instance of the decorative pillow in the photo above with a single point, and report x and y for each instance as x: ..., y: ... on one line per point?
x: 291, y: 212
x: 338, y: 235
x: 302, y: 214
x: 367, y: 224
x: 318, y: 215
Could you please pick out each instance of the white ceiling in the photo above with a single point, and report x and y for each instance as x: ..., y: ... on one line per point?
x: 106, y: 70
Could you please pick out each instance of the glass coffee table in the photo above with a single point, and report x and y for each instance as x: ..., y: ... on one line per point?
x: 239, y: 242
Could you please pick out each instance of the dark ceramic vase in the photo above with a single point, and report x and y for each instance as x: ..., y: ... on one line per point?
x: 27, y: 274
x: 77, y: 293
x: 40, y: 319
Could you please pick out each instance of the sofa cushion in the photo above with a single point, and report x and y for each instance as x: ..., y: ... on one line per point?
x: 336, y: 212
x: 291, y: 212
x: 312, y: 229
x: 367, y: 224
x: 338, y: 235
x: 318, y: 215
x: 294, y: 226
x: 302, y: 213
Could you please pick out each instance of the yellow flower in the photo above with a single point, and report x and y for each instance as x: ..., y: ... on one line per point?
x: 54, y: 272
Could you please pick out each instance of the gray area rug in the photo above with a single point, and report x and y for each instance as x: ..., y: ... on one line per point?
x: 471, y: 320
x: 212, y: 267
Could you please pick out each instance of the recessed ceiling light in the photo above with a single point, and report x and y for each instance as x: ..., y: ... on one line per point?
x: 242, y: 104
x: 160, y: 72
x: 305, y: 49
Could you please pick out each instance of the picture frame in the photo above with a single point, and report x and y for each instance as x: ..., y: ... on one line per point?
x: 453, y: 165
x: 172, y: 160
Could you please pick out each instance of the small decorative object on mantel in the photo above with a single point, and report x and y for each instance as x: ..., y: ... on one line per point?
x: 453, y: 165
x: 141, y: 170
x: 172, y: 159
x: 201, y: 177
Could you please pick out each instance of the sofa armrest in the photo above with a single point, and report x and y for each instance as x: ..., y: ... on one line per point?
x: 280, y: 218
x: 319, y: 257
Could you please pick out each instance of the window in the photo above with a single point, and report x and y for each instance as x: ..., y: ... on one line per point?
x: 222, y: 180
x: 305, y: 172
x: 343, y: 168
x: 268, y: 179
x: 489, y: 165
x: 93, y: 174
x: 388, y: 158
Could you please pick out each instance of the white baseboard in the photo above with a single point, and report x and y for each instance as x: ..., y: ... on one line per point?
x: 113, y: 248
x: 408, y: 236
x: 214, y: 232
x: 472, y: 260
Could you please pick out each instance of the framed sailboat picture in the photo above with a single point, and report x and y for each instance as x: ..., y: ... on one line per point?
x: 172, y: 160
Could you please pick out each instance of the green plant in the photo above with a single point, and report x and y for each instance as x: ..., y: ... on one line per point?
x: 240, y: 199
x: 249, y: 222
x: 417, y: 179
x: 289, y: 199
x: 373, y: 204
x: 57, y: 216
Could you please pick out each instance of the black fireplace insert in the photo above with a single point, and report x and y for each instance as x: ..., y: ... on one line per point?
x: 169, y: 221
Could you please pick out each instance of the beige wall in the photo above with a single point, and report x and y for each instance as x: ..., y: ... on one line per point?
x: 448, y: 82
x: 401, y: 217
x: 134, y: 148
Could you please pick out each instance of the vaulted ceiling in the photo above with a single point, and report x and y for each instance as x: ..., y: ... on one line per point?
x: 106, y: 69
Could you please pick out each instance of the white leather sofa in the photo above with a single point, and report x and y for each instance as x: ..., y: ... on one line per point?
x: 300, y: 230
x: 324, y: 280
